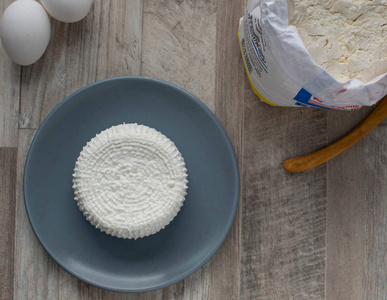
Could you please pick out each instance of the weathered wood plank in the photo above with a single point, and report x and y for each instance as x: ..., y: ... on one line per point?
x: 9, y: 94
x: 7, y: 221
x: 105, y: 44
x: 229, y: 91
x: 179, y: 39
x: 356, y: 214
x: 283, y: 214
x: 345, y: 213
x: 375, y: 208
x: 376, y: 214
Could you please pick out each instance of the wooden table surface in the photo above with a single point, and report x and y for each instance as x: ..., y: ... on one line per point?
x: 320, y: 234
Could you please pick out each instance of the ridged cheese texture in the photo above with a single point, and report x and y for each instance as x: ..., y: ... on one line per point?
x: 130, y: 181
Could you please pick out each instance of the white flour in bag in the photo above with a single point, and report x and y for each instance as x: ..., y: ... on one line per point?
x: 348, y: 38
x: 281, y: 70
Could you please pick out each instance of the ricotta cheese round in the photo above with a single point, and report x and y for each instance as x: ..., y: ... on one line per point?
x: 348, y: 38
x: 130, y: 181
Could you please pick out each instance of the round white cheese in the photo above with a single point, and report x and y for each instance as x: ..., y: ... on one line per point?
x: 130, y: 181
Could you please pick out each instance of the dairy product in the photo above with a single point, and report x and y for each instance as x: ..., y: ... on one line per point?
x: 130, y: 181
x: 348, y: 38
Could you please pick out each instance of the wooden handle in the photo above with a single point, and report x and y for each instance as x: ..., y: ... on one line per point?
x: 317, y: 158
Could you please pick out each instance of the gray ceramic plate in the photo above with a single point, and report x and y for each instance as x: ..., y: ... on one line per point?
x: 155, y: 261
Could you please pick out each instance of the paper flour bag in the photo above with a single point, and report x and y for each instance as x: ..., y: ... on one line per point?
x: 282, y: 72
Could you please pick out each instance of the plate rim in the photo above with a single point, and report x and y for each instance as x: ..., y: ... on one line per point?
x: 236, y: 196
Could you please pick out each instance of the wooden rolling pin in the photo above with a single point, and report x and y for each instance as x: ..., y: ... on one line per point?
x: 319, y: 157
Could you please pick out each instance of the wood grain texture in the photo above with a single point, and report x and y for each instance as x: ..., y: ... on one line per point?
x: 283, y: 214
x: 229, y: 91
x: 375, y: 214
x: 345, y: 213
x: 179, y: 40
x: 9, y: 94
x: 105, y: 44
x: 7, y: 220
x: 356, y: 228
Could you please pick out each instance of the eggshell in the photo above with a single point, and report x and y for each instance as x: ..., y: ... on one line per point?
x: 68, y: 11
x: 25, y: 31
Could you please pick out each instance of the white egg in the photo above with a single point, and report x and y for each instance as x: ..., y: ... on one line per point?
x: 68, y: 11
x: 25, y: 31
